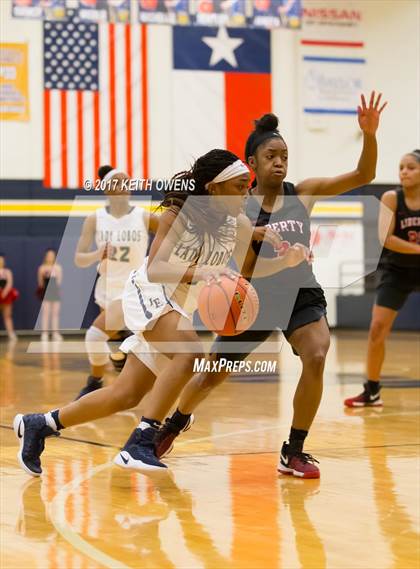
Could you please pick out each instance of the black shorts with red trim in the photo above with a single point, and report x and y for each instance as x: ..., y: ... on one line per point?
x: 310, y: 306
x: 395, y: 285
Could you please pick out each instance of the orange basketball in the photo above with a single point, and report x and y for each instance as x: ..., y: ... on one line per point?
x: 228, y: 307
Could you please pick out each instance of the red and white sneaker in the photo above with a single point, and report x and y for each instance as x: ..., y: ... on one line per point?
x: 300, y: 464
x: 365, y: 399
x: 164, y: 439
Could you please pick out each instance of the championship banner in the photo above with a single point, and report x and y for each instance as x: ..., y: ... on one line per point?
x: 113, y: 11
x: 14, y: 95
x: 174, y: 12
x: 215, y: 13
x: 39, y: 9
x: 276, y: 14
x: 211, y: 13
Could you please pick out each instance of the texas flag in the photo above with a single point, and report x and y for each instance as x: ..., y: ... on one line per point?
x: 221, y: 83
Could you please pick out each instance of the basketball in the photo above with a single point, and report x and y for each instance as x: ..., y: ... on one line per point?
x: 228, y: 307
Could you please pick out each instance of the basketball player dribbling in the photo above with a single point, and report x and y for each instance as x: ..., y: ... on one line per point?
x: 399, y: 271
x: 291, y: 300
x: 120, y: 232
x: 193, y: 244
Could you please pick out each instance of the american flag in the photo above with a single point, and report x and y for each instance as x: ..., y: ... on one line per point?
x: 95, y: 100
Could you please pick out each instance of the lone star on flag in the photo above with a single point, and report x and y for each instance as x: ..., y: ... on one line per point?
x: 223, y: 47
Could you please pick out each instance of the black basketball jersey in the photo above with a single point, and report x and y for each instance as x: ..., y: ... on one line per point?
x: 292, y: 223
x: 407, y: 227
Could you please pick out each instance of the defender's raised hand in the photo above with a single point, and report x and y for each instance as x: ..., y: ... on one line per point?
x: 369, y: 115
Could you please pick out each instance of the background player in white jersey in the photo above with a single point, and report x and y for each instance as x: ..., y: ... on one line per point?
x: 157, y: 309
x: 120, y: 232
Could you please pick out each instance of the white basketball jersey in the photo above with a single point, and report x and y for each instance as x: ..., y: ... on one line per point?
x: 197, y: 249
x: 128, y: 236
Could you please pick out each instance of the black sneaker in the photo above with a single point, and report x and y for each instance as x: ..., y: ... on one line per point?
x: 164, y: 440
x: 92, y: 384
x: 138, y: 452
x: 32, y: 430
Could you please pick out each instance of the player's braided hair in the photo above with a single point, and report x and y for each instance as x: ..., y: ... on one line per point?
x: 204, y: 170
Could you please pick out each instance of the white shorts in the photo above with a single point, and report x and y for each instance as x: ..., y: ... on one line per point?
x: 105, y: 293
x: 143, y: 304
x: 152, y: 359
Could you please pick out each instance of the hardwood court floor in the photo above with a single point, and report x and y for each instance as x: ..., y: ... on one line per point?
x: 223, y: 504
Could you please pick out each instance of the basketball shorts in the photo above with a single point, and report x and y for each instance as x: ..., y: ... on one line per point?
x: 310, y: 306
x: 145, y: 352
x: 395, y: 284
x: 143, y: 304
x: 107, y: 292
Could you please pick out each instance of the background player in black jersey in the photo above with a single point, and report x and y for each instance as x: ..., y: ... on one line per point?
x: 399, y: 271
x: 291, y: 300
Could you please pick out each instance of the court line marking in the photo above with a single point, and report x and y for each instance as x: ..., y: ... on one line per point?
x: 248, y: 431
x: 279, y: 426
x: 57, y: 516
x: 191, y: 441
x: 57, y: 513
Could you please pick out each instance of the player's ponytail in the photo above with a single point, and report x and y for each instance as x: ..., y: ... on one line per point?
x: 104, y: 170
x: 267, y: 123
x: 266, y: 127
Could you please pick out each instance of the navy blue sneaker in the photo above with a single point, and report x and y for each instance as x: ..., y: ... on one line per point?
x: 93, y: 383
x: 138, y: 452
x: 32, y: 430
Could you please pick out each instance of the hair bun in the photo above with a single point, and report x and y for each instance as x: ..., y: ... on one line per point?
x: 103, y: 171
x: 266, y: 123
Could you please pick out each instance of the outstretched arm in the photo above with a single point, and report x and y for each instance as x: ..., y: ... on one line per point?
x: 368, y: 117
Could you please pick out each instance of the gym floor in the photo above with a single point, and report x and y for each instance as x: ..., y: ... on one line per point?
x: 222, y: 504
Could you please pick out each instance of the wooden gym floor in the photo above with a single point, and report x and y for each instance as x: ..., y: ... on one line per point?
x: 222, y: 505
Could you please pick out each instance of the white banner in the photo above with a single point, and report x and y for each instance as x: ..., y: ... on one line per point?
x: 332, y: 85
